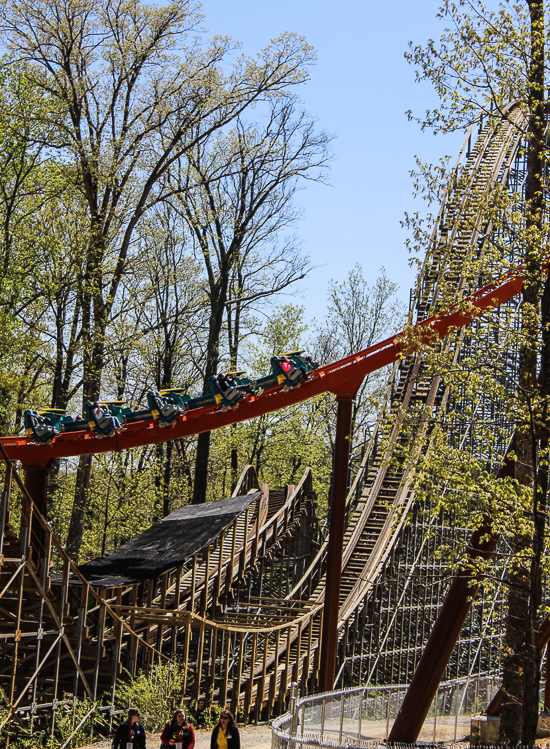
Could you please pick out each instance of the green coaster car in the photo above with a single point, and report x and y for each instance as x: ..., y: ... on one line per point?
x: 229, y: 387
x: 288, y: 370
x: 42, y: 426
x: 100, y: 420
x: 163, y: 408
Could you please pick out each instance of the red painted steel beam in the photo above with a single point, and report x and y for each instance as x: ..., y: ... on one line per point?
x: 329, y: 640
x: 343, y: 376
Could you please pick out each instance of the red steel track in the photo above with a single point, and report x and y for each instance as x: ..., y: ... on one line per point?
x: 343, y: 378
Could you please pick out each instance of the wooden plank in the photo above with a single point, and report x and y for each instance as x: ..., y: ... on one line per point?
x: 229, y: 578
x: 198, y: 668
x: 261, y: 687
x: 17, y: 633
x: 250, y: 683
x: 236, y: 691
x: 222, y: 697
x: 193, y: 583
x: 221, y: 538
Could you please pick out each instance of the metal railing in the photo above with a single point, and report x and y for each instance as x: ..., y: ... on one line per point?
x: 363, y: 717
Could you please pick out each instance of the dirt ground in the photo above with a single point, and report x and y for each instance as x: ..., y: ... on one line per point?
x: 252, y: 737
x: 255, y: 737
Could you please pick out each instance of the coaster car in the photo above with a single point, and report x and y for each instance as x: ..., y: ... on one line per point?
x: 100, y: 420
x: 69, y: 424
x: 179, y: 397
x: 229, y: 387
x: 163, y: 408
x: 40, y: 427
x: 117, y: 409
x: 287, y: 370
x: 301, y: 359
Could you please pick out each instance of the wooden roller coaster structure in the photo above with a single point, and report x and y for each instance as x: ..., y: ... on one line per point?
x: 270, y: 601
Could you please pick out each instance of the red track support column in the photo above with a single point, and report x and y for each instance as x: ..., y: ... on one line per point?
x: 329, y: 642
x: 36, y: 483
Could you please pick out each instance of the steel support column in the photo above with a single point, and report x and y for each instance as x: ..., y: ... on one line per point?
x: 329, y: 642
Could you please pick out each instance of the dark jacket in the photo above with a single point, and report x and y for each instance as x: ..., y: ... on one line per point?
x: 187, y: 736
x: 233, y: 741
x: 122, y: 736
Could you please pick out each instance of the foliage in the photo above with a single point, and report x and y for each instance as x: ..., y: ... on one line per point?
x: 66, y: 726
x: 156, y: 694
x: 491, y: 60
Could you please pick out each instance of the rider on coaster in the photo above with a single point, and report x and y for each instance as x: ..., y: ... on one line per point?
x: 104, y: 419
x: 290, y: 369
x: 230, y: 388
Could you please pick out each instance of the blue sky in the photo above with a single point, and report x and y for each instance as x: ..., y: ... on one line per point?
x: 359, y: 90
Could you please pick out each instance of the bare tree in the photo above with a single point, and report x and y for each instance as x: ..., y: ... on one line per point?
x: 358, y: 315
x: 247, y: 181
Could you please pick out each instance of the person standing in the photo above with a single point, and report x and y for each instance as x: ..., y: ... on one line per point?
x: 225, y: 734
x: 130, y: 734
x: 178, y: 733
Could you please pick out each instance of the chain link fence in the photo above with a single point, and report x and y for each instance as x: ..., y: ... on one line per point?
x: 363, y: 717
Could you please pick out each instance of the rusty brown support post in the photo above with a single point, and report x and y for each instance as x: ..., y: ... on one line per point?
x: 36, y: 483
x: 329, y: 643
x: 444, y: 634
x: 4, y: 508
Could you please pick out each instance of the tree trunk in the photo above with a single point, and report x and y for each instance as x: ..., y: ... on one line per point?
x: 94, y: 344
x: 212, y: 362
x: 521, y: 675
x: 201, y: 468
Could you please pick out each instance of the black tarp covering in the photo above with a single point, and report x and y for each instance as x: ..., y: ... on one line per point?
x: 166, y: 544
